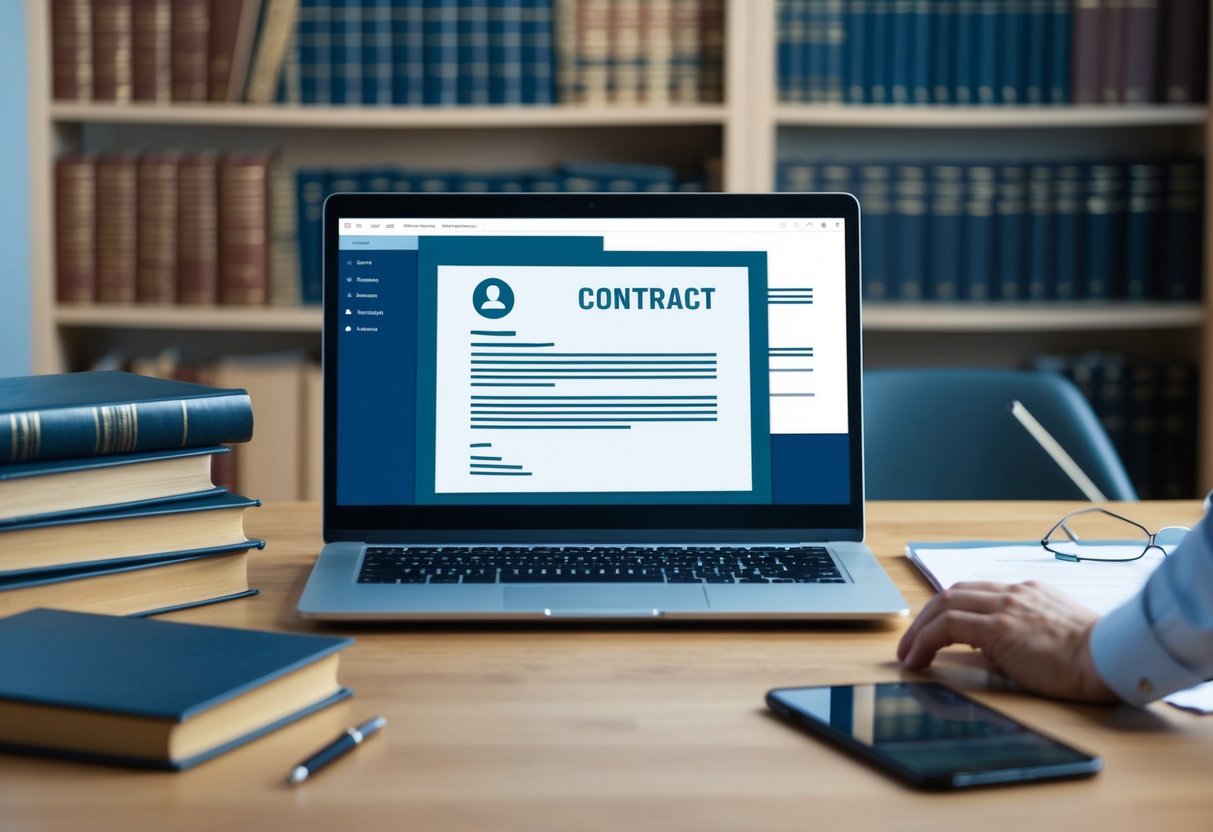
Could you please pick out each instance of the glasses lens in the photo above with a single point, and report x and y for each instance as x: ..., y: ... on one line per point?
x: 1096, y: 534
x: 1170, y: 537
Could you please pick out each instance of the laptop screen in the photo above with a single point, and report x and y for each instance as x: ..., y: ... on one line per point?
x: 590, y: 361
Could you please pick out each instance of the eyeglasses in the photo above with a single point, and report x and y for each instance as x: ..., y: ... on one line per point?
x: 1096, y: 534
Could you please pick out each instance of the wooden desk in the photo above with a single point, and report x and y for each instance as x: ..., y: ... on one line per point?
x: 550, y: 727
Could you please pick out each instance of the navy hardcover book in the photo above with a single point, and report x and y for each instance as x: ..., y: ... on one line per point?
x: 111, y: 412
x: 95, y: 667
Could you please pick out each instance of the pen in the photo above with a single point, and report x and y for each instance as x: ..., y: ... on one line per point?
x: 349, y: 738
x: 1057, y: 452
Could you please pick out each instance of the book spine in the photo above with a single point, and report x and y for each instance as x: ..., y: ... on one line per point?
x: 989, y: 52
x: 190, y: 42
x: 1178, y: 432
x: 1067, y: 225
x: 568, y: 68
x: 944, y: 232
x: 964, y: 90
x: 943, y: 50
x: 408, y: 54
x: 473, y: 53
x: 1014, y: 80
x: 156, y: 277
x: 1104, y: 229
x: 1143, y: 230
x: 289, y: 87
x: 243, y: 229
x: 441, y: 52
x: 909, y: 219
x: 75, y: 228
x: 711, y: 45
x: 1011, y: 232
x: 684, y: 71
x: 151, y: 59
x: 72, y: 50
x: 814, y: 52
x: 315, y: 71
x: 855, y: 18
x: 539, y: 56
x: 1143, y: 429
x: 1141, y: 51
x: 509, y: 62
x: 1113, y: 42
x: 277, y: 58
x: 658, y: 44
x: 312, y: 186
x: 117, y: 214
x: 1112, y: 393
x: 1042, y: 259
x: 346, y: 52
x: 1036, y: 80
x: 979, y: 234
x: 198, y: 229
x: 789, y: 51
x: 626, y: 58
x: 1183, y: 222
x: 875, y: 198
x: 903, y: 43
x: 1086, y: 34
x: 377, y: 53
x: 224, y: 28
x: 879, y: 65
x: 285, y: 289
x: 1060, y: 58
x: 112, y: 31
x: 920, y: 53
x: 1185, y: 51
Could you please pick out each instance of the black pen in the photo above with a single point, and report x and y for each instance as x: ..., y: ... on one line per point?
x: 350, y: 738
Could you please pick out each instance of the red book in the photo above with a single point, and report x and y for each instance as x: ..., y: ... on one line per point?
x: 1185, y: 51
x: 190, y: 45
x: 1086, y: 63
x: 75, y: 231
x: 1141, y: 51
x: 232, y: 32
x: 243, y: 228
x: 156, y: 276
x: 112, y: 50
x: 1113, y: 42
x: 711, y: 39
x: 151, y: 60
x: 117, y: 218
x: 72, y: 50
x: 197, y: 228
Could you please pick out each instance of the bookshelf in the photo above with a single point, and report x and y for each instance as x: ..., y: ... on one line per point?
x: 750, y: 132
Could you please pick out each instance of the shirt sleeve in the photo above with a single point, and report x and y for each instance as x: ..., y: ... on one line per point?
x: 1161, y: 640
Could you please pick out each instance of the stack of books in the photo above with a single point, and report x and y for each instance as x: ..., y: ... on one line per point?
x: 106, y: 496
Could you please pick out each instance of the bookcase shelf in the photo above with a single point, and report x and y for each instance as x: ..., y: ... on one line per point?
x: 187, y: 318
x: 988, y: 118
x: 1031, y: 317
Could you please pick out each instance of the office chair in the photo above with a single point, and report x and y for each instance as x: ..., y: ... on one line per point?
x: 948, y: 434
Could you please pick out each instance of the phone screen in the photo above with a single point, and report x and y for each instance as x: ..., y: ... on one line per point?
x: 929, y: 734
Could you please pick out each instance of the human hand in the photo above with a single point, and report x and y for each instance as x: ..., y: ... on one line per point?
x: 1031, y: 632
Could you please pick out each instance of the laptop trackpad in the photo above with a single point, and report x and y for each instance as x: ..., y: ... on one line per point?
x: 607, y: 600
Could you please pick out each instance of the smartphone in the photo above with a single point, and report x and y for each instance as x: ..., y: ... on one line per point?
x: 929, y: 735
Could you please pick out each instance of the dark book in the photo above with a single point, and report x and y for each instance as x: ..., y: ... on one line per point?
x: 977, y: 277
x: 507, y: 65
x: 942, y: 22
x: 71, y: 50
x: 1041, y: 242
x: 901, y: 59
x: 314, y: 33
x: 190, y: 45
x: 1143, y: 231
x: 945, y: 233
x: 231, y: 36
x: 1068, y: 209
x: 1142, y: 455
x: 117, y: 221
x: 111, y: 412
x: 441, y: 39
x: 1011, y: 227
x: 879, y: 64
x: 198, y: 228
x: 1141, y: 52
x: 151, y: 56
x: 1185, y: 51
x: 156, y: 274
x: 1182, y: 263
x: 313, y: 187
x: 1060, y: 47
x: 472, y: 35
x: 75, y: 683
x: 1113, y: 41
x: 1112, y: 398
x: 347, y: 51
x: 964, y: 74
x: 1085, y: 59
x: 1177, y: 426
x: 408, y: 55
x: 857, y: 26
x: 920, y: 53
x: 989, y: 51
x: 1104, y: 231
x: 111, y: 50
x: 791, y: 49
x: 1036, y: 59
x: 875, y: 200
x: 1013, y: 80
x: 907, y: 276
x: 244, y: 228
x: 539, y: 57
x: 377, y: 53
x: 35, y: 489
x: 711, y: 51
x: 75, y: 228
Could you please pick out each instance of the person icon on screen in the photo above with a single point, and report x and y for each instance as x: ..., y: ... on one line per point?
x: 492, y: 293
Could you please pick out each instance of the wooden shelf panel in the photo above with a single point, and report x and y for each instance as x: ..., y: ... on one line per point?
x: 930, y: 117
x: 216, y: 318
x: 387, y: 118
x: 1030, y: 317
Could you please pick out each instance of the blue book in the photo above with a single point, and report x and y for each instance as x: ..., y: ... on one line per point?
x: 102, y: 671
x: 506, y: 64
x: 111, y: 412
x: 1183, y: 223
x: 377, y: 52
x: 855, y: 24
x: 875, y: 202
x: 789, y: 52
x: 879, y: 66
x: 315, y: 45
x: 835, y: 51
x: 474, y: 71
x: 85, y: 485
x: 977, y: 278
x: 945, y: 233
x: 901, y: 62
x: 408, y: 54
x: 1014, y: 79
x: 1036, y: 69
x: 441, y: 39
x: 816, y: 58
x: 538, y: 55
x: 1011, y: 227
x: 312, y: 186
x: 907, y: 276
x: 1068, y: 202
x: 964, y: 37
x: 920, y: 53
x: 347, y: 52
x: 943, y: 51
x: 1058, y: 83
x: 1042, y: 260
x: 1104, y: 233
x: 989, y: 55
x: 1143, y: 231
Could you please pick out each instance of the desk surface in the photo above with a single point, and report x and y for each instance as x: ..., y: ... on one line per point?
x: 549, y: 727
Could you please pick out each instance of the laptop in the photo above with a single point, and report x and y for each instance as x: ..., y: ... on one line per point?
x: 572, y: 407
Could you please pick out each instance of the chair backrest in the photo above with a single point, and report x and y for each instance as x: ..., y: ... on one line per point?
x: 948, y: 434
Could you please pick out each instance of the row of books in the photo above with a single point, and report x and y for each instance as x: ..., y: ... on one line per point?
x: 107, y: 502
x: 240, y: 228
x: 1149, y: 410
x: 381, y: 52
x: 987, y: 52
x: 1023, y: 231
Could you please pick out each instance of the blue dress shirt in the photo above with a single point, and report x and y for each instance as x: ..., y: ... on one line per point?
x: 1161, y: 640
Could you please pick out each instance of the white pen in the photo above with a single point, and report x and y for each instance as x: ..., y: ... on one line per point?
x: 1057, y: 452
x: 349, y: 739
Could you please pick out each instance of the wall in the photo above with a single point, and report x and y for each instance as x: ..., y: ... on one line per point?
x: 14, y: 193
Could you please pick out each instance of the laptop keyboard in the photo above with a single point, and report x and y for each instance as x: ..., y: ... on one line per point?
x: 599, y: 564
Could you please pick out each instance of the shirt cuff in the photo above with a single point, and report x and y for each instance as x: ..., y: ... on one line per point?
x: 1131, y: 660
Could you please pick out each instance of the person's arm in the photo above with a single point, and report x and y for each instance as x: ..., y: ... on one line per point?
x: 1161, y: 640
